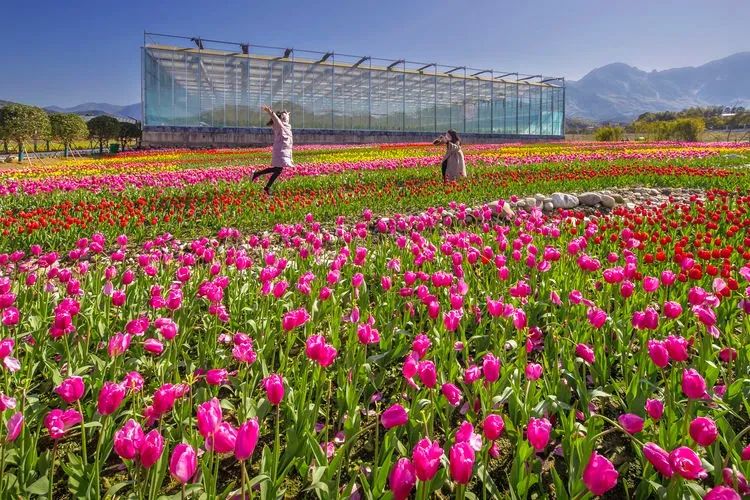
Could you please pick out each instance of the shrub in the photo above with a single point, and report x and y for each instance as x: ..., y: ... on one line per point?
x: 608, y: 133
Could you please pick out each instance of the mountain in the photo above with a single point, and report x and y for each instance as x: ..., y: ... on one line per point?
x: 618, y: 92
x: 91, y: 109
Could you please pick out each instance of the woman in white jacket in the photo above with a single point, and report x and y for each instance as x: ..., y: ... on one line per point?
x: 453, y: 166
x: 283, y: 142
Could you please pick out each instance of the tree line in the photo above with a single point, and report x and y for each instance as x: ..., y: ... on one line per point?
x: 21, y: 124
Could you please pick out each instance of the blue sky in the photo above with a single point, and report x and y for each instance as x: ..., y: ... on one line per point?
x: 69, y: 52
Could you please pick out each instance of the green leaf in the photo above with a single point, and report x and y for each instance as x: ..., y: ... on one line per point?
x: 39, y: 487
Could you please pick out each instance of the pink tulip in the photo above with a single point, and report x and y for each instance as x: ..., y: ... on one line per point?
x: 538, y: 432
x: 128, y: 440
x: 153, y: 346
x: 600, y: 475
x: 451, y: 393
x: 703, y: 431
x: 426, y: 459
x: 493, y: 426
x: 533, y: 371
x: 427, y: 373
x: 247, y: 439
x: 672, y: 309
x: 654, y: 408
x: 722, y: 493
x: 491, y: 367
x: 461, y: 462
x: 58, y: 421
x: 216, y: 376
x: 6, y: 347
x: 394, y: 416
x: 659, y: 459
x: 164, y: 399
x: 274, y: 387
x: 71, y: 389
x: 745, y: 455
x: 586, y: 353
x: 732, y: 476
x: 466, y: 433
x: 402, y: 479
x: 650, y: 284
x: 658, y: 353
x: 223, y: 440
x: 151, y: 449
x: 633, y: 424
x: 209, y: 416
x: 14, y: 427
x: 183, y: 463
x: 110, y: 396
x: 367, y: 334
x: 677, y: 348
x: 421, y: 345
x: 686, y: 463
x: 452, y: 319
x: 693, y: 385
x: 596, y: 317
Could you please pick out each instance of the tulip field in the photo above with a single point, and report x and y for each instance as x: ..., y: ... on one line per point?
x: 369, y: 332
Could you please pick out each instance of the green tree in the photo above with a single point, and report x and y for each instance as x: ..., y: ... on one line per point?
x: 687, y: 129
x: 21, y: 123
x: 608, y: 133
x: 67, y: 128
x: 103, y: 128
x: 129, y: 132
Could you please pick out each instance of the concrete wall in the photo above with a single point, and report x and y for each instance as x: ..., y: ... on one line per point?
x: 213, y: 137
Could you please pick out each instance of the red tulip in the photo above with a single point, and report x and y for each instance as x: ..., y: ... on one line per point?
x: 183, y: 463
x: 599, y: 476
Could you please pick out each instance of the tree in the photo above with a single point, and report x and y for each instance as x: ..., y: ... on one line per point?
x: 103, y: 128
x: 129, y: 132
x: 608, y: 133
x: 688, y: 129
x: 21, y: 123
x: 67, y: 128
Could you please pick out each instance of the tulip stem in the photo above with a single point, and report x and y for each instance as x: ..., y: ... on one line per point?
x: 244, y: 481
x: 52, y: 471
x: 276, y: 446
x: 84, y: 455
x: 183, y: 491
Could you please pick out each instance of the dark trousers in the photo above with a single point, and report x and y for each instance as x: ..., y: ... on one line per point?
x: 274, y: 171
x: 443, y: 166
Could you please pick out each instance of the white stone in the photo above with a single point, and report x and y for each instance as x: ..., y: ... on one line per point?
x: 564, y: 200
x: 589, y: 199
x: 608, y: 201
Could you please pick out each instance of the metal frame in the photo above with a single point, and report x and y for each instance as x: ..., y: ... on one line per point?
x: 299, y: 80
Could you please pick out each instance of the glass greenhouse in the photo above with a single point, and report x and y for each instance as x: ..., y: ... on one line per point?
x: 196, y: 86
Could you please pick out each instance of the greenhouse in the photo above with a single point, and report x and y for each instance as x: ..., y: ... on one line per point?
x: 208, y: 84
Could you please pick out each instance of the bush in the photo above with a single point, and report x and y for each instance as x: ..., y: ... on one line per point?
x: 608, y: 133
x: 21, y: 123
x: 66, y: 128
x: 103, y: 128
x: 688, y: 129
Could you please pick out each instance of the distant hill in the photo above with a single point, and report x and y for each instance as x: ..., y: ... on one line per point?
x: 619, y: 92
x: 91, y: 109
